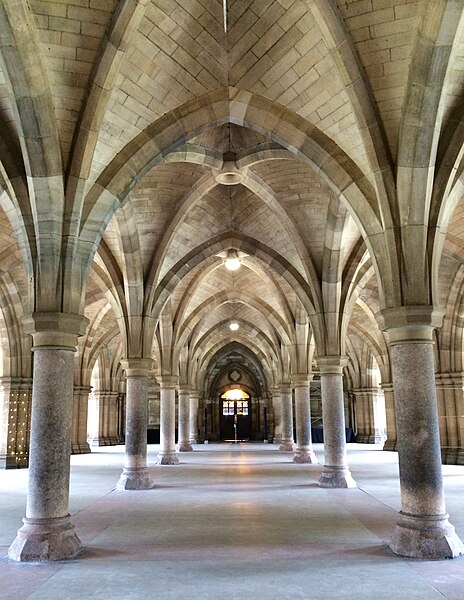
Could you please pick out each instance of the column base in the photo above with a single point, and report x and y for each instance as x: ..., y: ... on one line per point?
x: 185, y: 447
x: 390, y: 445
x: 452, y: 456
x: 336, y: 477
x: 430, y: 537
x: 277, y: 440
x: 305, y: 456
x: 80, y: 448
x: 286, y: 446
x: 45, y: 540
x: 168, y: 459
x: 194, y: 440
x: 135, y: 479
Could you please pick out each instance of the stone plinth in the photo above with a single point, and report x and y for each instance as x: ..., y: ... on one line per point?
x: 45, y: 540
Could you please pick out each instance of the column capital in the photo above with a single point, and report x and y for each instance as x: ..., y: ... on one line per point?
x: 286, y: 388
x: 82, y: 389
x: 387, y: 386
x: 55, y: 329
x: 449, y: 380
x: 167, y: 382
x: 184, y: 390
x: 301, y: 379
x: 136, y: 367
x: 410, y: 323
x: 194, y: 393
x: 331, y: 365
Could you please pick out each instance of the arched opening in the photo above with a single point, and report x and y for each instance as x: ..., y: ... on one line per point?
x: 235, y: 415
x: 236, y: 402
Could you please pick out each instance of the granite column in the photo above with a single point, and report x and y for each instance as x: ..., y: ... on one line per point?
x: 277, y: 409
x: 167, y: 454
x: 47, y: 533
x: 184, y: 421
x: 286, y: 444
x: 193, y: 402
x: 304, y: 452
x: 135, y: 475
x: 79, y: 443
x: 336, y: 473
x: 390, y: 442
x: 423, y: 529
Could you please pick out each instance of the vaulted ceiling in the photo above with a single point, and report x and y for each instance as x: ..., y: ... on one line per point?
x: 337, y: 75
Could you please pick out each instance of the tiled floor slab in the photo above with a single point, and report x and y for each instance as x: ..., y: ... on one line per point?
x: 231, y: 522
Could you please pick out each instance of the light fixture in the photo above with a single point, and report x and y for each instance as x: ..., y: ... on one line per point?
x: 224, y: 3
x: 234, y: 326
x: 232, y: 261
x: 229, y: 173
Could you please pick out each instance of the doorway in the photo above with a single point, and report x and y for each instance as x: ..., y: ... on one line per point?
x: 235, y: 424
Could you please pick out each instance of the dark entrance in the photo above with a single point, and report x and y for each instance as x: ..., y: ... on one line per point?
x: 235, y: 415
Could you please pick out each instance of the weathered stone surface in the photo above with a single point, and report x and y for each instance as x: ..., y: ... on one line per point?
x: 45, y: 540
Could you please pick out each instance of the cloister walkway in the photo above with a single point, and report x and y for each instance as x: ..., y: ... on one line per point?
x: 232, y: 522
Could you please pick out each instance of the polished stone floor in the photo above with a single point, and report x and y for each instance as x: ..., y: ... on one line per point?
x: 232, y: 522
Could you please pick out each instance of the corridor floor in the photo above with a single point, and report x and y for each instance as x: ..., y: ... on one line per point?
x: 231, y: 522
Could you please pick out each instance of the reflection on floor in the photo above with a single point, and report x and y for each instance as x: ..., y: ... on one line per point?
x: 232, y: 521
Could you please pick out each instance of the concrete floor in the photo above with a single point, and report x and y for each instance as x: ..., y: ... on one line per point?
x: 232, y: 522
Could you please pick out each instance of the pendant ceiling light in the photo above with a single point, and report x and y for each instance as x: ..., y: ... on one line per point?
x: 225, y: 15
x: 232, y: 261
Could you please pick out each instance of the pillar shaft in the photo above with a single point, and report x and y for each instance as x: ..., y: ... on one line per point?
x: 135, y: 475
x: 184, y: 421
x: 370, y: 429
x: 47, y: 533
x: 304, y: 452
x: 336, y: 473
x: 390, y: 442
x: 423, y: 529
x: 287, y: 419
x: 193, y: 435
x: 277, y: 408
x: 168, y: 454
x: 79, y: 444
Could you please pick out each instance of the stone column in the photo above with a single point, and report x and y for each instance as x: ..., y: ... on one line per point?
x: 167, y: 454
x: 304, y: 452
x: 135, y: 475
x: 362, y: 421
x: 423, y: 529
x: 369, y: 429
x: 121, y: 406
x: 79, y: 444
x: 287, y: 418
x: 112, y: 418
x: 97, y: 435
x: 277, y: 408
x: 47, y: 533
x: 336, y: 473
x: 451, y: 417
x: 184, y: 421
x: 390, y: 442
x: 193, y: 401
